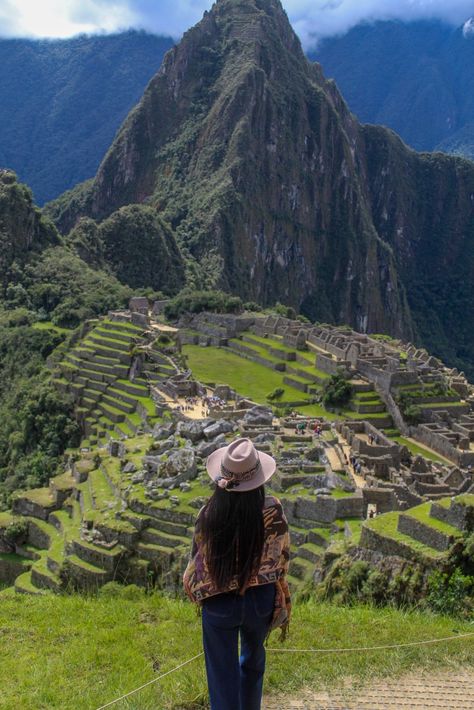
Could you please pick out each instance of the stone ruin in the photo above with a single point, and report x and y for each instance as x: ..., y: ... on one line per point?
x: 395, y: 478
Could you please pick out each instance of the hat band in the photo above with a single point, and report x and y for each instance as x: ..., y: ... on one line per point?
x: 241, y: 476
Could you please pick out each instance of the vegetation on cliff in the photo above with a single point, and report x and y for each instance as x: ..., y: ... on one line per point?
x: 269, y: 182
x: 136, y: 245
x: 71, y: 95
x: 44, y: 288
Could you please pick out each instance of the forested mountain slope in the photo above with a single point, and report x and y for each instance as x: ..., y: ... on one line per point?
x: 62, y: 101
x: 414, y: 77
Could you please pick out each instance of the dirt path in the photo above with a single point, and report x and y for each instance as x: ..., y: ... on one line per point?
x: 452, y: 689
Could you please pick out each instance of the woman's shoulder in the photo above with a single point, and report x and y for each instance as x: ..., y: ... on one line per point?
x: 272, y: 502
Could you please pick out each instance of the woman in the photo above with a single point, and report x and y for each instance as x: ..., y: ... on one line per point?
x: 237, y: 571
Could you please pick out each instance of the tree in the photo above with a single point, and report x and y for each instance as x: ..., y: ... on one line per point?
x: 336, y: 391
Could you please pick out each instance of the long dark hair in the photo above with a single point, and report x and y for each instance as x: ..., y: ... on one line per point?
x: 232, y: 528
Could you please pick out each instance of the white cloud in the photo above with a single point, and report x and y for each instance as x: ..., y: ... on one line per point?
x: 312, y: 19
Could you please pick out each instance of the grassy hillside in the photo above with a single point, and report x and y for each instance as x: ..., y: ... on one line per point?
x: 77, y: 653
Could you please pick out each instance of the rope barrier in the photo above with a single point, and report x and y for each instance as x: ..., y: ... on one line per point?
x: 357, y: 649
x: 150, y: 682
x: 369, y: 648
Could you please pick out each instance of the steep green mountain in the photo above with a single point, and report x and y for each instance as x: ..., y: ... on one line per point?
x: 414, y: 77
x: 23, y: 230
x: 46, y: 289
x: 136, y: 244
x: 276, y: 192
x: 62, y: 101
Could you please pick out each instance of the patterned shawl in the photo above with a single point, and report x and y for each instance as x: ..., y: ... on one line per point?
x: 199, y: 585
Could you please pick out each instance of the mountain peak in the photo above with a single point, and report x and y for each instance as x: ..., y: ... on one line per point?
x: 275, y: 192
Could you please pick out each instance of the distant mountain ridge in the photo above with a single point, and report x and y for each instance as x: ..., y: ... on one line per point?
x: 414, y: 77
x: 276, y: 192
x: 62, y: 101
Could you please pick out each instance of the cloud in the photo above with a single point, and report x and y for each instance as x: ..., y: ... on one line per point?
x: 312, y: 19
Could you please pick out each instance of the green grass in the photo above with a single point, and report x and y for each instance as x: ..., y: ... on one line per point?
x: 386, y: 525
x: 417, y: 449
x: 257, y: 349
x: 269, y: 343
x: 47, y: 325
x: 422, y: 514
x: 42, y: 496
x: 250, y: 379
x: 77, y: 653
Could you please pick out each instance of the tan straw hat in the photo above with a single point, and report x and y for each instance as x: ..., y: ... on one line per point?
x: 239, y: 467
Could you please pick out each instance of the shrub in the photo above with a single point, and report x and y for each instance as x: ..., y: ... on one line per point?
x: 285, y: 311
x: 449, y: 594
x: 276, y: 395
x: 252, y: 307
x: 412, y: 414
x: 16, y: 532
x: 336, y: 391
x: 199, y: 301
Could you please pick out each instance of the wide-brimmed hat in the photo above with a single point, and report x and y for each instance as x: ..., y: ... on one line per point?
x: 239, y: 467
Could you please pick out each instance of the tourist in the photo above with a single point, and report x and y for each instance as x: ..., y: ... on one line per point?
x: 237, y: 571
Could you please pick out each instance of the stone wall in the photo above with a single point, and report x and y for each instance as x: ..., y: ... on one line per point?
x: 459, y: 516
x: 423, y: 533
x: 383, y: 499
x: 384, y: 378
x: 386, y: 545
x: 443, y: 446
x: 11, y: 568
x: 331, y: 366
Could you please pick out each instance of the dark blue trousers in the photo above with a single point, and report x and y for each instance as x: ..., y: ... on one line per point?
x: 236, y: 683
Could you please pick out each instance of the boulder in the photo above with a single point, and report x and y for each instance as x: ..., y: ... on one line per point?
x: 192, y: 430
x: 259, y: 415
x: 205, y: 448
x: 160, y: 431
x: 129, y: 467
x: 151, y: 463
x: 161, y: 447
x: 179, y: 464
x: 222, y: 426
x: 263, y: 438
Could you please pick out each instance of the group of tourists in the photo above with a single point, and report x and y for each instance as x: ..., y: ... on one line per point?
x: 312, y: 425
x: 356, y: 464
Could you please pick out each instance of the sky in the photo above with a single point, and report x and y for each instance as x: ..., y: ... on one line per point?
x: 311, y: 19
